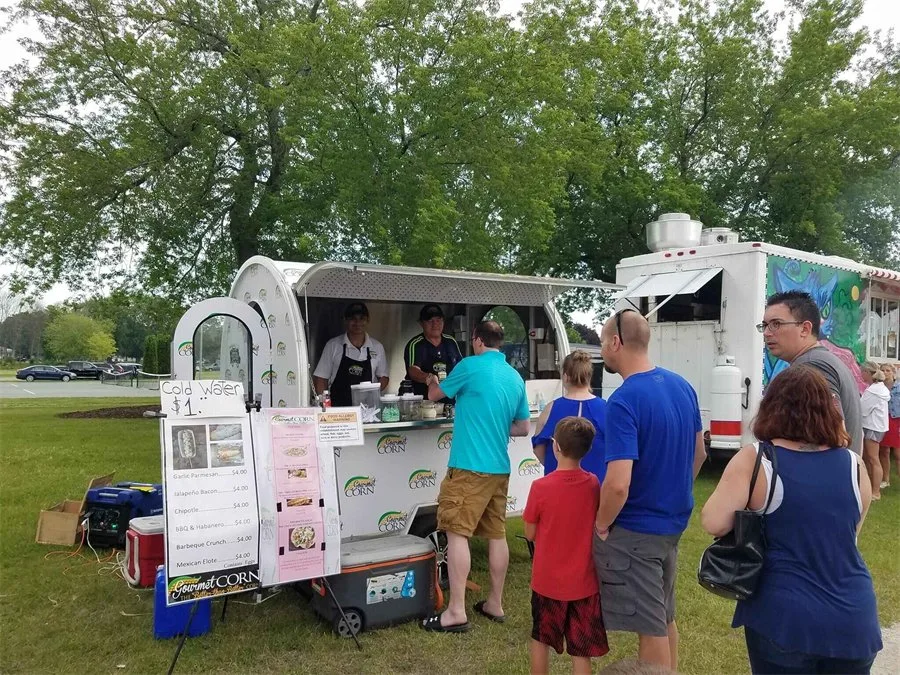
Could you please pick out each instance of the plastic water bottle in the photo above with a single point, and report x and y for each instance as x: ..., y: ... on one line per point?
x: 541, y: 402
x: 326, y: 399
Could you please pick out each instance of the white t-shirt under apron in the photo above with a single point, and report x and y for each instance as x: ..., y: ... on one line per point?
x: 334, y: 351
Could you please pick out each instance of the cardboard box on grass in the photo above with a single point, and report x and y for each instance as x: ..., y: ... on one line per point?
x: 61, y: 523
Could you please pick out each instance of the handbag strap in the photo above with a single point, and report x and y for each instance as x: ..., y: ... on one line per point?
x: 756, y: 466
x: 767, y: 449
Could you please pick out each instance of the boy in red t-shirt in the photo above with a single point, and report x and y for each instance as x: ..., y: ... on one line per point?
x: 559, y: 519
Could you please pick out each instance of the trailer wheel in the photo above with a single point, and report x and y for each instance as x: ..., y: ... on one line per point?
x: 426, y: 527
x: 352, y: 626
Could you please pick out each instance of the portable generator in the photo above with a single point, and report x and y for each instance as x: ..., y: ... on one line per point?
x: 109, y: 510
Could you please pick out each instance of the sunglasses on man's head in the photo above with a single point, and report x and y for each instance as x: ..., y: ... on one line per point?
x: 619, y: 324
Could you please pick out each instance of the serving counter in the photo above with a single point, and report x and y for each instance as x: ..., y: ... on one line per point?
x: 398, y: 470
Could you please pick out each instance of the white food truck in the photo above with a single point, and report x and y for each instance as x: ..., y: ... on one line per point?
x: 270, y: 333
x: 704, y: 291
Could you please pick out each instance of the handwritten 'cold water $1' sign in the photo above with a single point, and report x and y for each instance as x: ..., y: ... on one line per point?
x: 202, y: 398
x: 211, y: 500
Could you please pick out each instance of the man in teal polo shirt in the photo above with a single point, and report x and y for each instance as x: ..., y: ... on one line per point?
x: 491, y: 406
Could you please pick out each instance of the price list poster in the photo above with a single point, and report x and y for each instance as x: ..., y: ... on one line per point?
x: 299, y: 504
x: 211, y: 501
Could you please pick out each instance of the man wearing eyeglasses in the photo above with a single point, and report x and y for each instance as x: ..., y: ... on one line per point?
x: 654, y: 450
x: 790, y: 329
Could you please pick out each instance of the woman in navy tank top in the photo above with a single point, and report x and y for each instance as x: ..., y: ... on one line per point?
x: 577, y: 401
x: 814, y: 609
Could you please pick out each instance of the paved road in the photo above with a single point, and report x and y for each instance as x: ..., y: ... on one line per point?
x: 72, y: 389
x: 888, y: 660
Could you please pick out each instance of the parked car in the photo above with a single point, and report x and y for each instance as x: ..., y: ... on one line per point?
x: 84, y: 369
x: 32, y: 373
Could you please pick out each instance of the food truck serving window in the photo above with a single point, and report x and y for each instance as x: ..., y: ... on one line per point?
x: 691, y: 295
x: 883, y: 328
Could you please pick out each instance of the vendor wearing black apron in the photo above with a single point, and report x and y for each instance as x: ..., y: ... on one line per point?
x: 351, y: 358
x: 431, y: 352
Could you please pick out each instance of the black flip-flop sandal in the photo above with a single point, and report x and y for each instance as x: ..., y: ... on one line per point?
x: 479, y: 607
x: 433, y: 624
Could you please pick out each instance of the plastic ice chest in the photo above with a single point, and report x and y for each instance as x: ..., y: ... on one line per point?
x: 144, y: 549
x: 383, y: 581
x: 169, y: 622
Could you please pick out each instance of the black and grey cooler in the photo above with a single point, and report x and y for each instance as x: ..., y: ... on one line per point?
x: 383, y: 581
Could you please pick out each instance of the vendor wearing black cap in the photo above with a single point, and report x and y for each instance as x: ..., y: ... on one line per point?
x: 431, y: 352
x: 351, y: 358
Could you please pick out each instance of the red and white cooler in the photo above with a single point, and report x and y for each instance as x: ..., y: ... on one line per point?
x: 144, y: 549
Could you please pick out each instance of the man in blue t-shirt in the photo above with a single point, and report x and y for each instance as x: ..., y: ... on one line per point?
x: 654, y: 450
x: 491, y: 406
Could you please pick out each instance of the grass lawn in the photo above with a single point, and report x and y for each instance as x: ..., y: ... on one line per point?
x: 59, y: 613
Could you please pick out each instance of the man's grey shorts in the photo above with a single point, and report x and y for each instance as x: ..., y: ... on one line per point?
x: 637, y: 580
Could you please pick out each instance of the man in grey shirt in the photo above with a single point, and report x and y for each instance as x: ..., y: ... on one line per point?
x: 790, y: 328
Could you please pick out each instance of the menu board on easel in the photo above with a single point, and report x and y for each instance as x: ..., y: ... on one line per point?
x: 211, y: 501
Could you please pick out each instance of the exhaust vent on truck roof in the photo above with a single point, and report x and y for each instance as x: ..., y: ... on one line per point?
x: 718, y: 235
x: 673, y: 230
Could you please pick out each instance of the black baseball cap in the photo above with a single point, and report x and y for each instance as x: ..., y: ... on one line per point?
x: 356, y: 309
x: 430, y: 312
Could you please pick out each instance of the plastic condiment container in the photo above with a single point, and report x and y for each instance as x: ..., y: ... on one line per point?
x: 428, y: 410
x: 390, y: 408
x: 411, y: 407
x: 367, y: 395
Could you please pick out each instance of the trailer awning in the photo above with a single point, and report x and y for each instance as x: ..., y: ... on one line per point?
x: 668, y: 283
x: 413, y: 284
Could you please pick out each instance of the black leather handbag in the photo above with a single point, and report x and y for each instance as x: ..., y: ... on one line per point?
x: 732, y: 564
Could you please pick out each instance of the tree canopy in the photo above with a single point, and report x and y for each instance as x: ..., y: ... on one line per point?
x: 71, y: 336
x: 158, y: 144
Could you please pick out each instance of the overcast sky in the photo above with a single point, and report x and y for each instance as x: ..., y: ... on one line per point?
x: 878, y: 15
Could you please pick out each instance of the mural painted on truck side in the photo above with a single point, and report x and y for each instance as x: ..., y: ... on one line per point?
x: 841, y: 298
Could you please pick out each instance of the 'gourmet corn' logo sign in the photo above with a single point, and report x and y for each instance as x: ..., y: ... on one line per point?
x: 422, y: 478
x: 392, y: 521
x: 530, y: 467
x: 269, y: 377
x: 186, y: 348
x: 445, y: 440
x: 511, y: 503
x: 212, y: 583
x: 360, y: 486
x: 391, y: 444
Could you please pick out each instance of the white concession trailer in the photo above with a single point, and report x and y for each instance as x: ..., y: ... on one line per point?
x: 270, y: 332
x: 704, y: 291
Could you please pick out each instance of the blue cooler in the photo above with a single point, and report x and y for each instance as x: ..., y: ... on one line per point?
x: 169, y: 622
x: 111, y: 508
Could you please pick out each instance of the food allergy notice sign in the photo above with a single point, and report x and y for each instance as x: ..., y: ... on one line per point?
x: 211, y: 501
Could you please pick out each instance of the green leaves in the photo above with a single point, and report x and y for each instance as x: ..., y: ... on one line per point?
x: 71, y: 336
x: 168, y: 141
